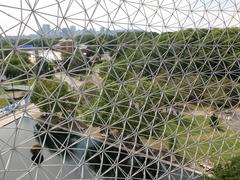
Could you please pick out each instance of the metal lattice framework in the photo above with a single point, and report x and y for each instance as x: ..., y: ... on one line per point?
x: 104, y: 89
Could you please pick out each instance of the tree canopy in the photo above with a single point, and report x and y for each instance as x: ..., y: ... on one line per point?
x: 52, y: 95
x: 228, y: 171
x: 17, y: 65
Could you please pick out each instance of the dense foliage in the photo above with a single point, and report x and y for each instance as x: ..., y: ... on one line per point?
x: 43, y: 67
x: 149, y: 70
x: 52, y: 95
x: 76, y: 63
x: 228, y: 171
x: 129, y: 107
x: 17, y: 65
x: 189, y: 63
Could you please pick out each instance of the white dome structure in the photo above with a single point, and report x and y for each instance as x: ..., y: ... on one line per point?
x: 103, y: 89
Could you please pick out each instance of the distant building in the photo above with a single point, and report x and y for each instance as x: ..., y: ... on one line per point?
x: 46, y: 28
x: 65, y: 32
x: 66, y: 45
x: 73, y: 30
x: 102, y: 30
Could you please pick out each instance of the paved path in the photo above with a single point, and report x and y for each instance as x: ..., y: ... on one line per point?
x: 231, y: 119
x: 4, y: 120
x: 182, y: 110
x: 75, y: 83
x: 16, y: 95
x: 30, y: 110
x: 17, y: 87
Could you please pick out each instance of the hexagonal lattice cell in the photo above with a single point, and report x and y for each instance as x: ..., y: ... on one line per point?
x: 103, y: 89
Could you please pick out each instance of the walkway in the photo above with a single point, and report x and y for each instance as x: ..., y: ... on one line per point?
x: 231, y: 118
x: 6, y: 119
x: 75, y: 83
x: 30, y: 110
x: 17, y: 87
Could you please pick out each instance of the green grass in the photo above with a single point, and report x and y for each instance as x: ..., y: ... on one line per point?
x: 2, y: 91
x: 199, y: 107
x: 197, y: 141
x: 3, y: 102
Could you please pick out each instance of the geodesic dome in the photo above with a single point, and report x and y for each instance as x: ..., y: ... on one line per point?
x: 104, y: 89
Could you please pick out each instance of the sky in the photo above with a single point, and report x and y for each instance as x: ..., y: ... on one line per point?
x: 20, y: 17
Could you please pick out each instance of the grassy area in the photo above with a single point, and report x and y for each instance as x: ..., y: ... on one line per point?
x: 3, y: 102
x: 199, y: 107
x: 7, y: 83
x: 2, y: 92
x: 197, y: 141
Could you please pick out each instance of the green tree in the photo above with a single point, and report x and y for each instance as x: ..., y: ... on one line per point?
x: 52, y: 95
x: 222, y: 93
x: 17, y: 65
x: 76, y: 63
x: 228, y: 171
x: 43, y: 67
x: 129, y: 107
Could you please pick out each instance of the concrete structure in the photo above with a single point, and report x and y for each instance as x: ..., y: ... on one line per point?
x: 66, y: 45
